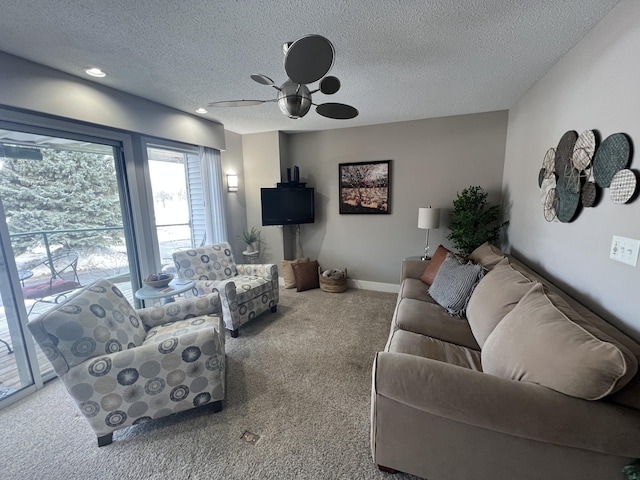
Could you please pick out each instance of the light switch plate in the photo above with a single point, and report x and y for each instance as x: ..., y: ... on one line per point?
x: 625, y: 250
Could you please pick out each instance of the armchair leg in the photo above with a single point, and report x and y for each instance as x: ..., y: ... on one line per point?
x: 274, y: 309
x: 105, y: 440
x: 234, y: 333
x: 216, y: 406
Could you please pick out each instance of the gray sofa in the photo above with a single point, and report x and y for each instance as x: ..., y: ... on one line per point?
x: 552, y: 394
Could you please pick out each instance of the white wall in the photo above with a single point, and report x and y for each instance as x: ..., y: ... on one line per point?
x: 595, y: 86
x: 432, y: 160
x: 30, y: 86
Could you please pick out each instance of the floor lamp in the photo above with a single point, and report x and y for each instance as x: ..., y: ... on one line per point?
x: 428, y: 218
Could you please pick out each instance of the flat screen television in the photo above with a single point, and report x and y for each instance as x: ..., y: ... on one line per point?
x: 287, y: 206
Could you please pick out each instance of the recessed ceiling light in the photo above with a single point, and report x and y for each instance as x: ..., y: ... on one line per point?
x: 95, y: 72
x: 201, y: 110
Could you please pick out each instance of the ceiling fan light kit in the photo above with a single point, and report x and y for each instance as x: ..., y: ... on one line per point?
x: 294, y: 99
x: 307, y: 60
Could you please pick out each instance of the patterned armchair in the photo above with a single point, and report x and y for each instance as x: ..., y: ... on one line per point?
x: 246, y: 291
x: 124, y: 366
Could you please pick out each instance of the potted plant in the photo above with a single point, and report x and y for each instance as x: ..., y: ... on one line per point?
x: 250, y: 237
x: 473, y: 221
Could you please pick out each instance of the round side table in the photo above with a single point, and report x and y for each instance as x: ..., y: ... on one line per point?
x: 175, y: 287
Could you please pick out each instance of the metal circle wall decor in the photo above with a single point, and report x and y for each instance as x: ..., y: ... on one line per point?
x: 564, y: 151
x: 542, y: 174
x: 583, y: 150
x: 611, y: 157
x: 547, y: 184
x: 550, y: 204
x: 588, y: 194
x: 549, y: 162
x: 573, y: 173
x: 568, y: 199
x: 623, y: 186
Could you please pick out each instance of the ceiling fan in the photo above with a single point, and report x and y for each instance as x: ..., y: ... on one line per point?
x: 306, y: 61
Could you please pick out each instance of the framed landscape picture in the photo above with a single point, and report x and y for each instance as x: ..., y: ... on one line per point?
x: 365, y: 187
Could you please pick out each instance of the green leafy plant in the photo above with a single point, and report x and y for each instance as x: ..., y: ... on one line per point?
x: 473, y: 221
x: 632, y: 471
x: 250, y: 236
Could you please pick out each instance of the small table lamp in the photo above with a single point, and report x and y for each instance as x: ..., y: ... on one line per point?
x: 428, y: 218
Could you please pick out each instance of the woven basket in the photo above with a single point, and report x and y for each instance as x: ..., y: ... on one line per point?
x: 333, y: 285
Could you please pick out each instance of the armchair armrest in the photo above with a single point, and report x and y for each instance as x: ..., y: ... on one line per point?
x: 181, y: 309
x: 266, y: 270
x: 510, y: 407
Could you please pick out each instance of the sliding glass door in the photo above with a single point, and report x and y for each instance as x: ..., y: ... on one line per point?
x: 64, y: 223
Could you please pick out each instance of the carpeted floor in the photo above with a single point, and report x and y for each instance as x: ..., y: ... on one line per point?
x: 300, y: 379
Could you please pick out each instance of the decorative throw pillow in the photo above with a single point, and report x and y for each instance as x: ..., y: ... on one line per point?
x: 287, y: 271
x: 306, y: 274
x: 497, y: 294
x: 434, y: 265
x: 454, y: 284
x: 487, y: 255
x: 552, y: 345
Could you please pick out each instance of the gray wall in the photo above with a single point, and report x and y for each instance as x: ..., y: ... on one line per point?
x: 235, y: 202
x: 27, y: 85
x: 261, y: 152
x: 595, y: 86
x: 432, y: 160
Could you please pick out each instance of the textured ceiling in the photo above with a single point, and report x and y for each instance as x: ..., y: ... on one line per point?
x: 396, y: 59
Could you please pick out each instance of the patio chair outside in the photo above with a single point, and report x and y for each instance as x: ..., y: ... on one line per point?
x: 63, y: 279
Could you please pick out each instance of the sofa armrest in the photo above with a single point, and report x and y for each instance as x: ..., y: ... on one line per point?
x: 413, y: 268
x: 181, y: 309
x: 510, y: 407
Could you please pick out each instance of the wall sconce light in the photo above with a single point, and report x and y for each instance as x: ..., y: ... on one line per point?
x: 232, y: 183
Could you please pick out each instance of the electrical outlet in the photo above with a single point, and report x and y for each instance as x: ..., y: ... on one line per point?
x: 625, y: 250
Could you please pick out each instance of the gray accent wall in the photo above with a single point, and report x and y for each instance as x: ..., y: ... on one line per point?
x: 595, y: 86
x: 432, y: 160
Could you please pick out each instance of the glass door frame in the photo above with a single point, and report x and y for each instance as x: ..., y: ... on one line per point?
x: 183, y: 148
x: 136, y: 220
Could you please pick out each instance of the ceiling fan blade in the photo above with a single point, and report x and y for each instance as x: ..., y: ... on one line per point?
x: 237, y: 103
x: 339, y: 111
x: 308, y: 59
x: 329, y: 85
x: 262, y: 79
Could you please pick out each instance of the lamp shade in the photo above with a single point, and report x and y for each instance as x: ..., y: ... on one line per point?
x: 428, y: 217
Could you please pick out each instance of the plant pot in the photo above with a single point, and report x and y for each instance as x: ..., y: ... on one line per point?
x: 250, y: 248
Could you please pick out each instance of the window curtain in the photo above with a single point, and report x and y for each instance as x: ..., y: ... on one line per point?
x: 216, y: 218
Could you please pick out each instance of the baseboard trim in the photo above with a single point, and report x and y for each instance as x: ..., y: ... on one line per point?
x: 375, y: 286
x: 364, y: 285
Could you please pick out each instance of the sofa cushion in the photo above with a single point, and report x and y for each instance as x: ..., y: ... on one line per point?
x: 495, y: 295
x: 423, y: 346
x: 430, y: 319
x: 551, y: 345
x: 434, y: 265
x: 306, y: 274
x: 454, y: 283
x: 287, y: 271
x: 414, y: 288
x: 487, y: 255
